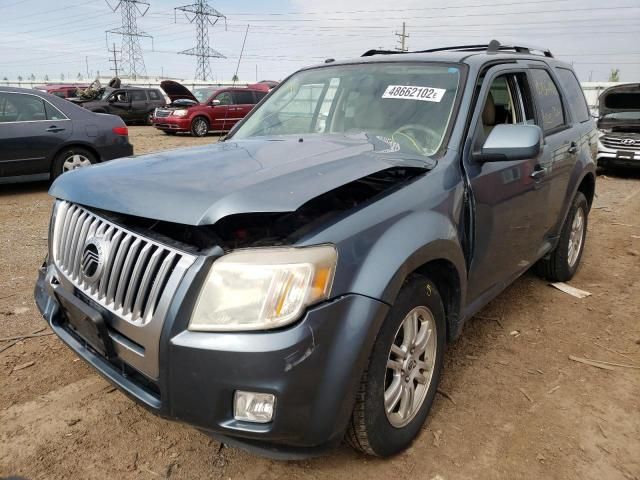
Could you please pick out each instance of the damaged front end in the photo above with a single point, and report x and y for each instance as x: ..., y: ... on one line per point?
x: 262, y: 229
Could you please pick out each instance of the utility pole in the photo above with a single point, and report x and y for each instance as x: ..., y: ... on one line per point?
x: 86, y: 61
x: 131, y: 63
x: 114, y: 60
x: 402, y: 37
x: 203, y: 15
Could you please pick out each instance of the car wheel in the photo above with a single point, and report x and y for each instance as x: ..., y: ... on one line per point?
x: 399, y: 384
x: 199, y: 127
x: 72, y: 159
x: 562, y: 263
x: 149, y: 119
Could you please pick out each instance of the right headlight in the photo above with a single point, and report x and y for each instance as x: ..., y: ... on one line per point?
x: 263, y: 288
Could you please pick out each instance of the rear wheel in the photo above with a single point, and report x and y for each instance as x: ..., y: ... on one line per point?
x: 562, y: 263
x: 199, y: 127
x: 398, y: 387
x: 71, y: 159
x: 149, y: 119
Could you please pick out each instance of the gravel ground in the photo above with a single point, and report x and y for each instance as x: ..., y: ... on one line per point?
x: 517, y: 406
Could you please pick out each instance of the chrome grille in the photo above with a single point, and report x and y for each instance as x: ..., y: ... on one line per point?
x: 136, y: 271
x: 622, y: 142
x: 162, y: 113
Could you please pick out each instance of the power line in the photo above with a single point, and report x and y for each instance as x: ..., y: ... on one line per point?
x: 203, y: 16
x: 132, y: 62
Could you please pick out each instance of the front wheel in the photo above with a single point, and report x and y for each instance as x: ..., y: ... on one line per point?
x: 199, y: 127
x: 398, y: 387
x: 562, y: 263
x: 72, y: 159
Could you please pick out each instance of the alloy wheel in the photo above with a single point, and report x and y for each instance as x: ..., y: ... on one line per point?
x: 576, y: 237
x: 410, y: 366
x: 75, y: 161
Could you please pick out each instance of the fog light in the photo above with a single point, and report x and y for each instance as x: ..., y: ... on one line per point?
x: 253, y: 406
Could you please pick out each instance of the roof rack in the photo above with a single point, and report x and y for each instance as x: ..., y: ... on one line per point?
x: 494, y: 46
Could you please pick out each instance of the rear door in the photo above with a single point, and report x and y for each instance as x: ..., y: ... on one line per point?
x: 561, y: 141
x: 510, y: 199
x: 221, y: 110
x: 243, y: 102
x: 139, y: 105
x: 31, y: 129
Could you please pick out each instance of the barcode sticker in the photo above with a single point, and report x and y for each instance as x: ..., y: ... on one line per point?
x: 407, y: 92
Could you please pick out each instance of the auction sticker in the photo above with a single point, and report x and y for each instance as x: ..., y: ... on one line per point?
x: 407, y: 92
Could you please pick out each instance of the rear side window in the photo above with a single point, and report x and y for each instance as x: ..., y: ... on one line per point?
x: 548, y: 99
x: 53, y: 113
x: 575, y: 95
x: 17, y: 107
x: 153, y: 95
x: 138, y: 96
x: 260, y: 95
x: 243, y: 97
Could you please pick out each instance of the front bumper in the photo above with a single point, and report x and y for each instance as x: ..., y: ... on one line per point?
x: 313, y: 367
x: 618, y: 158
x: 174, y: 124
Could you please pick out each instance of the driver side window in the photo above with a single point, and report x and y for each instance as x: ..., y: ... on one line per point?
x: 224, y: 98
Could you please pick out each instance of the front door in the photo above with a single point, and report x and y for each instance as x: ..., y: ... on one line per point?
x: 31, y: 129
x: 120, y: 104
x: 220, y: 106
x: 510, y: 198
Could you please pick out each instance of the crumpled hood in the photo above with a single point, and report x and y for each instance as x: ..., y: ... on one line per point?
x: 199, y: 186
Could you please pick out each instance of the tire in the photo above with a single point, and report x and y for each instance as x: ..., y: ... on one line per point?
x: 70, y: 159
x: 199, y: 127
x: 561, y: 264
x: 372, y: 430
x: 149, y: 119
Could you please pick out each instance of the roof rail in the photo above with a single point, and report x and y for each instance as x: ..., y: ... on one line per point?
x: 492, y: 47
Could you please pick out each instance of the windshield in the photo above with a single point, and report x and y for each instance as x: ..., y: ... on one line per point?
x: 407, y: 106
x: 203, y: 94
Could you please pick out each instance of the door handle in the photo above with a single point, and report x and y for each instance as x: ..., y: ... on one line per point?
x: 573, y: 148
x: 54, y: 129
x: 538, y: 174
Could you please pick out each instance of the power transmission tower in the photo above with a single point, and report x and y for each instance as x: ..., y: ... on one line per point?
x: 402, y: 37
x: 202, y: 15
x: 131, y: 63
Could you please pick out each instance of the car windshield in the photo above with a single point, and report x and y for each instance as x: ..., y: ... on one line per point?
x: 408, y: 106
x: 203, y: 94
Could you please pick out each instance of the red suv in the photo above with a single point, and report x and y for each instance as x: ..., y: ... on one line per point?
x: 205, y: 109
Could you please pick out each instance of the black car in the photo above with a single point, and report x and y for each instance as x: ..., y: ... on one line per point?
x: 132, y: 104
x: 42, y: 133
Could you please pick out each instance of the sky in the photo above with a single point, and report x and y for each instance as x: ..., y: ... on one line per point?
x: 67, y: 37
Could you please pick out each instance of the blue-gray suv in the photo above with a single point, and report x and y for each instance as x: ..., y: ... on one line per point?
x: 297, y: 283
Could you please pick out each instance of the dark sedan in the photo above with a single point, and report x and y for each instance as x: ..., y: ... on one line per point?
x: 44, y: 134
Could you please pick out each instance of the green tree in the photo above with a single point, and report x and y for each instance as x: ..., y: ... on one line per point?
x: 46, y: 78
x: 235, y: 78
x: 62, y: 77
x: 19, y: 78
x: 614, y: 76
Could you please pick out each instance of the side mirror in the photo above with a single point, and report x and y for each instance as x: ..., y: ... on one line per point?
x: 215, y: 102
x: 511, y: 142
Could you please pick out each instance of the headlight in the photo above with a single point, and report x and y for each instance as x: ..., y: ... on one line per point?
x: 263, y: 288
x: 180, y: 113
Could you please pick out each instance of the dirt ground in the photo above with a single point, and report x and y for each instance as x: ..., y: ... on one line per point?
x: 517, y: 406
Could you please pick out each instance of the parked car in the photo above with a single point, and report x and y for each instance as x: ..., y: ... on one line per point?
x: 300, y: 280
x: 42, y: 133
x: 619, y: 125
x: 62, y: 90
x: 206, y: 109
x: 132, y: 104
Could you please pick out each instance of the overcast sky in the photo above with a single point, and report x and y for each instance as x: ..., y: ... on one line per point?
x: 55, y: 37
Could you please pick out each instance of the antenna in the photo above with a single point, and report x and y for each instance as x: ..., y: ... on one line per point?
x: 203, y: 15
x: 131, y: 62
